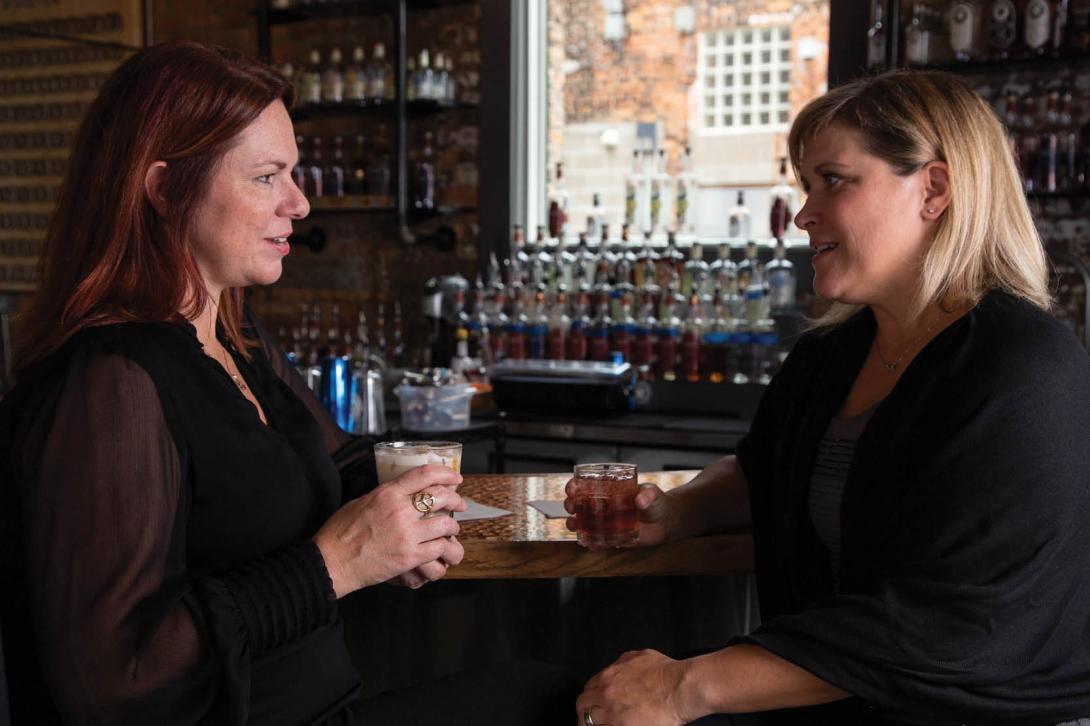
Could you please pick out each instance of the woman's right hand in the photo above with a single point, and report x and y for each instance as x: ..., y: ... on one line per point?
x: 381, y: 535
x: 652, y: 510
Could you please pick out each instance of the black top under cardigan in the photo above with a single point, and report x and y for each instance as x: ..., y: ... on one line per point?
x: 965, y: 562
x: 156, y: 553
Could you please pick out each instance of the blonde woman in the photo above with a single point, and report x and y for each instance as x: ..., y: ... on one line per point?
x: 918, y: 475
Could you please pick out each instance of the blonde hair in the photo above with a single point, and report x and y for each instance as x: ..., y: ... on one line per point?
x: 985, y: 239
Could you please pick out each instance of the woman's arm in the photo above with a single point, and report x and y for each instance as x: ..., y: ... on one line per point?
x: 717, y: 499
x: 647, y: 688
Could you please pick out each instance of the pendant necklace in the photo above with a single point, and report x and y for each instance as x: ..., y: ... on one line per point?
x: 234, y: 376
x: 892, y: 367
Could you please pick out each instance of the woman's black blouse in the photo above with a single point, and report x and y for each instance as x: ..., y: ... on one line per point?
x: 965, y: 524
x: 157, y: 559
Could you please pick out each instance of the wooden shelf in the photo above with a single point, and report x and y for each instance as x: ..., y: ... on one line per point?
x: 328, y: 108
x: 358, y: 8
x: 1011, y: 65
x: 353, y: 203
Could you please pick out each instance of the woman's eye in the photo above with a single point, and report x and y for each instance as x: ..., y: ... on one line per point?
x: 265, y: 178
x: 831, y: 179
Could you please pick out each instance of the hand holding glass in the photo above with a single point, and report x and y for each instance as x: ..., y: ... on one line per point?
x: 604, y: 504
x: 394, y: 458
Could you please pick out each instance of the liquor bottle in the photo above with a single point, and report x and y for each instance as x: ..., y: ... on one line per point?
x: 660, y: 193
x: 442, y: 78
x: 318, y: 349
x: 287, y: 70
x: 596, y: 219
x: 965, y: 35
x: 715, y: 345
x: 622, y: 330
x: 738, y: 223
x: 310, y: 80
x: 361, y: 351
x: 380, y: 76
x: 515, y: 345
x: 478, y: 323
x: 644, y: 270
x: 782, y: 281
x: 1059, y: 38
x: 378, y: 175
x: 578, y: 348
x: 559, y: 325
x: 333, y: 177
x: 756, y: 297
x: 632, y: 192
x: 667, y: 339
x: 623, y: 289
x: 688, y: 190
x: 749, y: 267
x: 333, y: 79
x: 450, y: 93
x: 695, y: 272
x: 462, y: 362
x: 314, y: 171
x: 425, y: 77
x: 538, y: 329
x: 763, y: 340
x: 643, y: 344
x: 723, y: 271
x: 598, y: 343
x: 643, y: 204
x: 381, y: 348
x: 424, y: 178
x: 566, y: 265
x: 299, y: 171
x: 780, y: 213
x: 356, y: 81
x: 876, y: 36
x: 690, y: 341
x: 412, y: 79
x: 670, y: 261
x: 1002, y: 24
x: 626, y: 264
x: 1037, y: 27
x: 559, y: 206
x: 498, y: 323
x: 519, y: 269
x: 355, y: 179
x: 585, y: 260
x: 542, y: 262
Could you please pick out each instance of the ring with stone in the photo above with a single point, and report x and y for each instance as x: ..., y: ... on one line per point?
x: 423, y: 502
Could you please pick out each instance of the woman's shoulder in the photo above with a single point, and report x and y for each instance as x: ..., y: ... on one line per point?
x: 1006, y: 334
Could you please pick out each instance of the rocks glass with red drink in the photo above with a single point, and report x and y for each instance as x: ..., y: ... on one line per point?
x: 605, y: 504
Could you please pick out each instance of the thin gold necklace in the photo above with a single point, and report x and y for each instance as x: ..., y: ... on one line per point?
x: 234, y: 376
x: 892, y: 367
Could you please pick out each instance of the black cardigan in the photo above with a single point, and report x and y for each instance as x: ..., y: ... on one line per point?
x: 155, y: 537
x: 965, y: 565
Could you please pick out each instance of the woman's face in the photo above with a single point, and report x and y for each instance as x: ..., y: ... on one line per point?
x: 239, y: 236
x: 866, y: 224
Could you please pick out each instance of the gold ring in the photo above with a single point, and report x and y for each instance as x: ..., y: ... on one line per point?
x: 587, y: 720
x: 423, y: 502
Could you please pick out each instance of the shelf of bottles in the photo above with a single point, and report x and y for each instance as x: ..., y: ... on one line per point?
x: 354, y: 172
x: 340, y: 334
x: 283, y: 12
x: 673, y: 316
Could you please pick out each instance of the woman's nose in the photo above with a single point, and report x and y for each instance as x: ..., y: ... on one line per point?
x: 295, y: 203
x: 806, y: 216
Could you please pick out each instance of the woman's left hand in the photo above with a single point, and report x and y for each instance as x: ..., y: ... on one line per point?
x: 640, y: 689
x: 453, y: 553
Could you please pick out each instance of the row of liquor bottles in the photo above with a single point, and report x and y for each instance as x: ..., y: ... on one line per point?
x: 311, y: 340
x: 1049, y: 132
x: 365, y: 171
x: 659, y: 203
x: 979, y: 30
x: 359, y: 80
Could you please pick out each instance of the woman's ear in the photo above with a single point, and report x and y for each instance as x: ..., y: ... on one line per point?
x: 153, y: 180
x: 937, y: 190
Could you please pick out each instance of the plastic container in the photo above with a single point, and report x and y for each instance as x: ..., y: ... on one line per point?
x: 435, y: 408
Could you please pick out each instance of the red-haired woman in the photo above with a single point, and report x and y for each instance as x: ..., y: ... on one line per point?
x: 180, y: 516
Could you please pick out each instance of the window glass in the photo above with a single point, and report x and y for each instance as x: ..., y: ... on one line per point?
x: 728, y: 92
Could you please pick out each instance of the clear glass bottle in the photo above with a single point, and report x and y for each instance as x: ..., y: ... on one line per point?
x: 661, y: 194
x: 425, y: 83
x: 965, y: 33
x: 723, y: 271
x: 442, y: 78
x: 1002, y: 28
x: 597, y: 217
x: 356, y: 80
x: 749, y: 267
x: 333, y: 78
x: 782, y: 281
x: 691, y: 339
x: 631, y: 192
x: 556, y: 346
x: 578, y: 348
x: 877, y: 36
x: 1037, y: 27
x: 310, y: 80
x: 667, y: 339
x: 380, y: 76
x: 315, y: 174
x: 738, y: 223
x: 299, y: 171
x: 333, y: 176
x: 695, y: 272
x: 688, y: 190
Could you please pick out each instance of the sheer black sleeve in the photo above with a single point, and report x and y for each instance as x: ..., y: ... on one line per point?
x: 124, y: 633
x: 353, y: 455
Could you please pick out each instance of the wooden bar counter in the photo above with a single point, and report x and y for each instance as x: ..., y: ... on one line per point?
x: 526, y: 544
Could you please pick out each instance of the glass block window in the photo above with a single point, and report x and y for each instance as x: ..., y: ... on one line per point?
x: 756, y: 97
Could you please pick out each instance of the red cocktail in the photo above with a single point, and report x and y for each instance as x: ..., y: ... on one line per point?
x: 605, y: 504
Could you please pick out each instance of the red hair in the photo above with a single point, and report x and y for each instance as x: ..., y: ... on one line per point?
x: 109, y: 256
